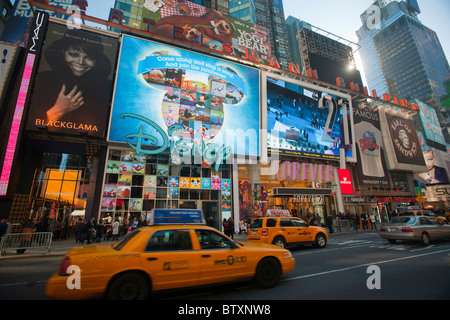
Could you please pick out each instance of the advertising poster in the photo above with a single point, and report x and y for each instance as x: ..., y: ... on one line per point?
x: 437, y: 162
x: 345, y: 181
x: 73, y: 87
x: 431, y: 126
x: 8, y: 59
x: 369, y: 141
x: 401, y: 140
x: 297, y: 126
x: 195, y: 105
x: 199, y: 25
x: 18, y: 25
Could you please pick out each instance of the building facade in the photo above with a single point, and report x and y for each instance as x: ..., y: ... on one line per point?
x: 164, y: 124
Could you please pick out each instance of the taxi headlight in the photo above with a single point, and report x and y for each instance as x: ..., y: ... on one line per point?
x: 287, y: 255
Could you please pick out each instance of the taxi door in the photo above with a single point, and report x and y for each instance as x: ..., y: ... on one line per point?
x: 302, y: 231
x: 289, y: 230
x: 170, y: 259
x: 220, y: 259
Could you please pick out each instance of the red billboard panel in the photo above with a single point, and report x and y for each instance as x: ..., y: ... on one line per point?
x: 345, y: 181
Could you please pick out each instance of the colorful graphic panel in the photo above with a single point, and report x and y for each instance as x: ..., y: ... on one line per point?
x: 196, y: 105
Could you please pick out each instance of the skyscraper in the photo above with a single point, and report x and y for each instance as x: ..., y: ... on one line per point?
x: 270, y: 15
x: 401, y: 56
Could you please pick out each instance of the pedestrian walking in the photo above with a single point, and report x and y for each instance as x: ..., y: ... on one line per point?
x: 231, y: 227
x: 3, y: 227
x: 115, y: 230
x: 80, y: 230
x: 134, y: 224
x: 27, y: 229
x: 373, y: 221
x: 330, y: 223
x: 225, y: 226
x: 90, y: 231
x: 242, y: 226
x: 356, y: 222
x: 364, y: 218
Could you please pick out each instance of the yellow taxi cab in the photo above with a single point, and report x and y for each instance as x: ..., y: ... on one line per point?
x: 284, y: 230
x: 165, y: 256
x: 426, y: 213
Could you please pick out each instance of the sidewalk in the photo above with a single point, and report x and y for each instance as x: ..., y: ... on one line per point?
x: 61, y: 247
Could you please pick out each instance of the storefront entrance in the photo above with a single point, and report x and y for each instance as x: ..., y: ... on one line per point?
x: 211, y: 210
x: 60, y: 192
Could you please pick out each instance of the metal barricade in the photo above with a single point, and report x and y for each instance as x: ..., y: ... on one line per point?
x: 24, y: 241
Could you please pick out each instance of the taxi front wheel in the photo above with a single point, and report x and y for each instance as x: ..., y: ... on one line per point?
x: 129, y: 286
x: 267, y: 273
x: 320, y: 241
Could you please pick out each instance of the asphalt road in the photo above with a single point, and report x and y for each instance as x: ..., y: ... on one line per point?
x: 359, y: 266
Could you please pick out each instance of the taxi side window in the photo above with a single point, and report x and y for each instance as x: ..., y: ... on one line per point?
x: 212, y: 240
x: 286, y: 222
x: 299, y: 223
x: 271, y: 223
x: 169, y: 240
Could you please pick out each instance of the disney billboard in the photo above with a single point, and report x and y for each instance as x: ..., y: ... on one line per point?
x: 193, y: 104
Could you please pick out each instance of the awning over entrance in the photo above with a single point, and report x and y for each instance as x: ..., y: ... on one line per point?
x: 290, y: 192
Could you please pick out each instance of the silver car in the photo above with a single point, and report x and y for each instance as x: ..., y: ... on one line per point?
x: 414, y: 228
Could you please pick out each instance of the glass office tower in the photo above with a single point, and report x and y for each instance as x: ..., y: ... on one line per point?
x: 400, y: 55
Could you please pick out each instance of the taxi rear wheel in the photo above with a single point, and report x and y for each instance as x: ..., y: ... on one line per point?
x: 129, y: 286
x: 267, y: 273
x: 279, y: 241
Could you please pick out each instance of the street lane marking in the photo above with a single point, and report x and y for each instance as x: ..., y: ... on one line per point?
x: 363, y: 265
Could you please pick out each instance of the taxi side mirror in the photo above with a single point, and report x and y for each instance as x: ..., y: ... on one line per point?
x: 234, y: 245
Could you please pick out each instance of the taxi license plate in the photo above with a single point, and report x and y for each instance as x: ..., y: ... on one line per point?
x: 254, y: 232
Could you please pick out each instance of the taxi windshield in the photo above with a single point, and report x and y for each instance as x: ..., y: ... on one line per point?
x: 120, y: 244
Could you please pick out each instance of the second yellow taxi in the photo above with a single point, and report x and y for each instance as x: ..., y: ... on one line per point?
x: 165, y: 256
x: 285, y: 230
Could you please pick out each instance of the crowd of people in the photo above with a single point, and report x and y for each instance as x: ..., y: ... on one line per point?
x: 90, y: 231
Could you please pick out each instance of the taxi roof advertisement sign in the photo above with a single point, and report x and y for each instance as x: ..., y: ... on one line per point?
x: 176, y: 216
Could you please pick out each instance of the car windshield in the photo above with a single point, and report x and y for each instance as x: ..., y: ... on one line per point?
x: 256, y: 224
x: 120, y: 244
x: 402, y: 220
x: 406, y: 213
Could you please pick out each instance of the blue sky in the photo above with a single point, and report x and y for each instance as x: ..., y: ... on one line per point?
x: 340, y: 17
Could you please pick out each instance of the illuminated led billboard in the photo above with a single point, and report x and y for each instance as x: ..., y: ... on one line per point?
x: 196, y: 105
x: 303, y: 120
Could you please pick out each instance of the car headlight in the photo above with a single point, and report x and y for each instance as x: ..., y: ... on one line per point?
x: 287, y: 255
